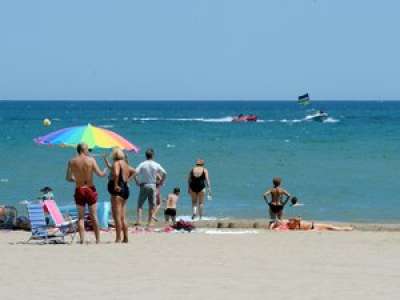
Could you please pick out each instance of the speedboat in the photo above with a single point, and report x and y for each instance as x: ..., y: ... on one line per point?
x: 245, y: 118
x: 318, y: 116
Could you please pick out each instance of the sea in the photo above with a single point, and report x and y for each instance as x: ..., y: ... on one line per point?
x: 343, y: 169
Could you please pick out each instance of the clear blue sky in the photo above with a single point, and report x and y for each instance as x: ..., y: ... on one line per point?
x: 199, y: 49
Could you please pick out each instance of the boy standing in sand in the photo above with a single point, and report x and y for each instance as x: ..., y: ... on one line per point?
x: 276, y: 204
x: 170, y: 210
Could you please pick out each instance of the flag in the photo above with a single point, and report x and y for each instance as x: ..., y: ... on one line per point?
x: 304, y: 99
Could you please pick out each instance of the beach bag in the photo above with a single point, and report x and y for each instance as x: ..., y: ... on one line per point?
x: 23, y: 223
x: 183, y: 225
x: 8, y: 217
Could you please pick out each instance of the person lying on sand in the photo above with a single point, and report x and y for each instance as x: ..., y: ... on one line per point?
x: 299, y: 224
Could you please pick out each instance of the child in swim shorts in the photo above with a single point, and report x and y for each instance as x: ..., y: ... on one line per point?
x: 170, y: 210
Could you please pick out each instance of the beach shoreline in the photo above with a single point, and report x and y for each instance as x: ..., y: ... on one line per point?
x: 239, y: 223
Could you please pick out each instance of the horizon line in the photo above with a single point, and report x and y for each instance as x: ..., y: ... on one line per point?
x: 195, y: 100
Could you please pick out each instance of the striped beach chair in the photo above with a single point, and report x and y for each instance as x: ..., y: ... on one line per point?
x: 40, y: 231
x: 52, y: 209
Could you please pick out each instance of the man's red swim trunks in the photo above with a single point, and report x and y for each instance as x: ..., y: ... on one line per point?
x: 85, y: 195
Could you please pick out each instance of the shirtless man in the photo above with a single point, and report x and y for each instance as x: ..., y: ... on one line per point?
x: 80, y: 170
x: 276, y: 204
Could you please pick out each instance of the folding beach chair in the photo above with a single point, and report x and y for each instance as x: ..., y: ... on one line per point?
x: 39, y: 229
x: 51, y: 207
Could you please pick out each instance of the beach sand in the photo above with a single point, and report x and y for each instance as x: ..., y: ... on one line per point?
x: 258, y: 265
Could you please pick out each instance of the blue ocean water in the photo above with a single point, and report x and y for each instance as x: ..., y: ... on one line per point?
x: 344, y: 169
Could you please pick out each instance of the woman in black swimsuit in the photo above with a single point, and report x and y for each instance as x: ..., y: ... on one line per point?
x: 118, y: 188
x: 276, y: 204
x: 198, y: 181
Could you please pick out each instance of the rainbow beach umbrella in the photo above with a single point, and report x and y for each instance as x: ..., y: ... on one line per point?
x: 94, y: 137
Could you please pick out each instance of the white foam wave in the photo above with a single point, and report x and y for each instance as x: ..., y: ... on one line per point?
x: 227, y: 119
x: 291, y: 121
x: 211, y: 120
x: 4, y: 180
x: 146, y: 119
x: 219, y: 120
x: 106, y: 126
x: 189, y: 218
x: 171, y: 146
x: 306, y: 119
x: 331, y: 120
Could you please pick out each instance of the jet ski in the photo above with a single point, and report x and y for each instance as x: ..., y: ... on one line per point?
x: 318, y: 116
x: 245, y: 118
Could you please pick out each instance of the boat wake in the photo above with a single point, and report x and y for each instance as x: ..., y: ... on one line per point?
x: 331, y: 120
x: 327, y: 120
x: 227, y: 119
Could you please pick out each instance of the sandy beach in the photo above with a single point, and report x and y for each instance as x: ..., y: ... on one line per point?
x: 199, y: 265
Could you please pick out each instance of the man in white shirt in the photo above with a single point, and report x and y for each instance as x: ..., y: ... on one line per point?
x: 146, y: 178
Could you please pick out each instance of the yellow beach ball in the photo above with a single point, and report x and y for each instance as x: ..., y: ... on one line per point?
x: 46, y: 122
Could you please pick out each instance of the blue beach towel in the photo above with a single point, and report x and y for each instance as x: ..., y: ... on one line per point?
x: 103, y: 212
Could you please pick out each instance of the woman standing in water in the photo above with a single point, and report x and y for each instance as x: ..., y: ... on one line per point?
x: 118, y: 188
x: 198, y: 183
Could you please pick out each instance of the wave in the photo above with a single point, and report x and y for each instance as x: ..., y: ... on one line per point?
x: 291, y: 121
x: 147, y: 119
x: 307, y: 119
x: 106, y: 126
x: 227, y: 119
x: 4, y: 180
x: 189, y: 218
x: 331, y: 120
x: 212, y: 120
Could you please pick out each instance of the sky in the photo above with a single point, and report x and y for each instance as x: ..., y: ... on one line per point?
x: 199, y: 49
